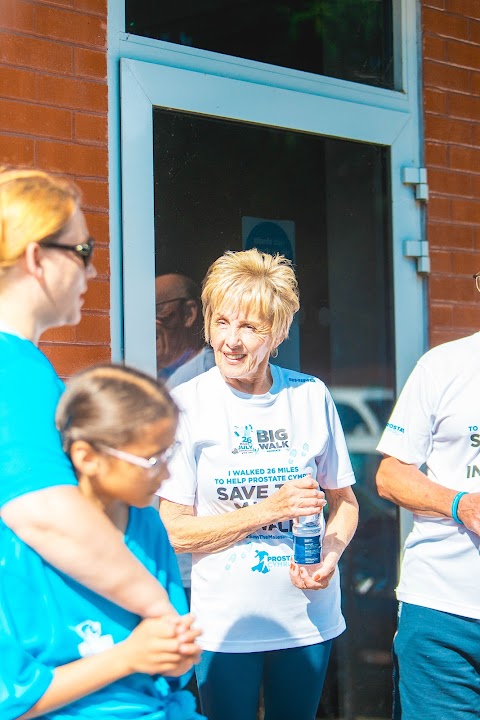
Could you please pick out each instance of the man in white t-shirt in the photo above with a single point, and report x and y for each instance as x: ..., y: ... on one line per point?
x: 436, y: 423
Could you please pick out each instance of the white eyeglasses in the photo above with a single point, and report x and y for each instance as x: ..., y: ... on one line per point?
x: 153, y: 464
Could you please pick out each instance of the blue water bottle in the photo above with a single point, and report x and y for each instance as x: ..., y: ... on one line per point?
x: 307, y: 547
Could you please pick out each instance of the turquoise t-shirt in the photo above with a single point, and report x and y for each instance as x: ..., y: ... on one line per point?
x: 31, y: 455
x: 47, y: 619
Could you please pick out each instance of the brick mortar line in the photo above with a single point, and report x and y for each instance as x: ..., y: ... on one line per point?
x: 94, y: 144
x: 48, y: 106
x: 56, y: 41
x: 45, y: 3
x: 101, y: 82
x: 428, y: 32
x: 74, y: 343
x: 466, y: 252
x: 446, y: 91
x: 38, y: 73
x: 446, y: 143
x: 470, y: 121
x: 441, y: 61
x: 444, y: 194
x: 453, y: 171
x: 39, y: 102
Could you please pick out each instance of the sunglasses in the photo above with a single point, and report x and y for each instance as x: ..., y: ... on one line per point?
x: 82, y: 250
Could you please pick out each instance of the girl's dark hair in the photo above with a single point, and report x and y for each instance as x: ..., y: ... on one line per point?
x: 110, y: 405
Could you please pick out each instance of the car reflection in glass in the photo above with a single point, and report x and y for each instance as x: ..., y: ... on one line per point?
x: 369, y: 567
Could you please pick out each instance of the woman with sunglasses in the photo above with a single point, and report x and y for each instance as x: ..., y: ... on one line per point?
x: 71, y: 653
x: 45, y: 266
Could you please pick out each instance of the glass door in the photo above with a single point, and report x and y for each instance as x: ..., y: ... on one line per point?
x: 211, y: 163
x: 224, y: 185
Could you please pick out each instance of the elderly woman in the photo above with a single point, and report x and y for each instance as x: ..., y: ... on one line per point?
x: 257, y: 441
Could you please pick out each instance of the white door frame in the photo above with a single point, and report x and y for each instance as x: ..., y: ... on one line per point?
x: 145, y: 73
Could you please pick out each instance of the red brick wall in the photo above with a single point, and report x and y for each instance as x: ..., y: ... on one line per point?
x: 451, y: 78
x: 53, y: 115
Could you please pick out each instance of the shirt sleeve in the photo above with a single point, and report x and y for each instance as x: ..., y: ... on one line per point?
x: 408, y: 434
x: 23, y: 680
x: 31, y: 454
x: 181, y: 486
x: 334, y: 469
x: 23, y: 677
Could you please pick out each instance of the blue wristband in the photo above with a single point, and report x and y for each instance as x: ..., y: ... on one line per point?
x: 455, y: 502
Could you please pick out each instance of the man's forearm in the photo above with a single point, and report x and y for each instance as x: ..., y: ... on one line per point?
x: 407, y: 486
x: 70, y: 533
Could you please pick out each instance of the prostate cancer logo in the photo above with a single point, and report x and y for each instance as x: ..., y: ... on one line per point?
x: 262, y: 557
x: 267, y: 561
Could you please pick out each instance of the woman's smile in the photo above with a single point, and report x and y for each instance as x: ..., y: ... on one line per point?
x: 242, y: 344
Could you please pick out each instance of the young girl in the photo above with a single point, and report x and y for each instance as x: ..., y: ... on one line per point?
x: 66, y: 652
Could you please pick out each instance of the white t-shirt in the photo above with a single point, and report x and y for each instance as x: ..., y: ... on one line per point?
x: 436, y: 421
x: 236, y: 450
x: 198, y: 364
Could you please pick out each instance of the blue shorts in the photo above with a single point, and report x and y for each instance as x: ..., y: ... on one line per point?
x: 436, y: 665
x: 292, y: 679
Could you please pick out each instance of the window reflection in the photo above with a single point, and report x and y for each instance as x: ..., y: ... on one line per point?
x: 347, y: 39
x: 181, y: 353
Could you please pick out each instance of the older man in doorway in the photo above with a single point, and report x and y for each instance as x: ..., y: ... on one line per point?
x: 181, y: 352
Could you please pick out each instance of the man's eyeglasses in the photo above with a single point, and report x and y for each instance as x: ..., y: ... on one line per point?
x: 476, y: 277
x: 165, y: 316
x: 153, y: 464
x: 82, y: 250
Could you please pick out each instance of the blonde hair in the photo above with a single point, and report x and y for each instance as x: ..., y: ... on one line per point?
x: 252, y: 281
x: 33, y: 206
x: 111, y: 405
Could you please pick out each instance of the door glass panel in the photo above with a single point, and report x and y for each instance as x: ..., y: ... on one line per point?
x: 225, y: 185
x: 351, y: 40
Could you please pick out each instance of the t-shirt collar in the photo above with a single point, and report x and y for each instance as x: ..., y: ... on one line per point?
x: 6, y: 328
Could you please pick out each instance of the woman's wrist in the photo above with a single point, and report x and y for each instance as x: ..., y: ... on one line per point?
x: 332, y: 546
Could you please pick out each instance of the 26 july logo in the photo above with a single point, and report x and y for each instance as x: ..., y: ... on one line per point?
x: 248, y: 440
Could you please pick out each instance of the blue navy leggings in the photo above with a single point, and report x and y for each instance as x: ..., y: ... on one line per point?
x: 229, y: 683
x: 436, y: 665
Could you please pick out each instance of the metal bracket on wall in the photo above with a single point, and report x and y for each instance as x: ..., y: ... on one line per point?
x: 418, y: 249
x: 418, y: 178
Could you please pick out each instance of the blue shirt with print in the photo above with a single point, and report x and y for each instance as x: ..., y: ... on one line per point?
x: 47, y: 619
